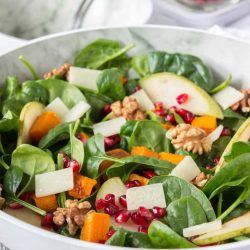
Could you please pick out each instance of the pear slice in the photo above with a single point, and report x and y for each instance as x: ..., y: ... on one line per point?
x: 27, y: 117
x: 230, y: 229
x: 166, y: 87
x: 243, y: 134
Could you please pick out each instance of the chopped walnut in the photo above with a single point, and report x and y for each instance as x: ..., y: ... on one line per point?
x: 73, y: 214
x: 62, y: 71
x: 244, y: 104
x: 201, y: 179
x: 2, y: 200
x: 190, y: 138
x: 128, y: 108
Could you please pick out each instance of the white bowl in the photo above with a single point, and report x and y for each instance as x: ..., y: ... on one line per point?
x: 224, y: 55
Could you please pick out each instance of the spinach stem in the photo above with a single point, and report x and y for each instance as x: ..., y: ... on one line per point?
x: 27, y: 205
x: 29, y: 66
x: 76, y: 126
x: 234, y: 205
x: 4, y: 164
x: 219, y: 205
x: 109, y: 158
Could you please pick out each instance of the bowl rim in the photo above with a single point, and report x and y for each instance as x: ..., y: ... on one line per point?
x: 76, y: 242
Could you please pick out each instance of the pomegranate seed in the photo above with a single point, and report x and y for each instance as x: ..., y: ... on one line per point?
x: 225, y: 132
x: 158, y: 105
x: 145, y: 213
x: 131, y: 184
x: 137, y: 88
x: 110, y: 233
x: 122, y: 216
x: 170, y: 118
x: 173, y: 109
x: 107, y: 109
x: 159, y: 212
x: 209, y: 167
x: 139, y: 220
x: 148, y: 173
x: 15, y: 205
x: 182, y: 98
x: 47, y: 220
x: 123, y: 201
x: 186, y: 115
x: 216, y: 160
x: 111, y: 141
x: 74, y: 165
x: 101, y: 241
x: 110, y: 198
x: 143, y: 229
x: 160, y: 112
x: 111, y: 209
x: 66, y: 161
x: 100, y: 204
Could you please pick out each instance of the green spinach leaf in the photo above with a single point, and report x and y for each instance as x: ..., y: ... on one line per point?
x: 138, y: 240
x: 118, y: 238
x: 163, y: 236
x: 184, y: 212
x: 8, y: 122
x: 238, y: 148
x: 176, y: 188
x: 100, y: 52
x: 185, y: 65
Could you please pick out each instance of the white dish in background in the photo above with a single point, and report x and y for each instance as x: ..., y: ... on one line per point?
x: 224, y: 55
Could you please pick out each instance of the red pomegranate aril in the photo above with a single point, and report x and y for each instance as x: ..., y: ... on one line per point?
x: 173, y: 109
x: 182, y: 98
x: 142, y: 229
x: 170, y: 118
x: 74, y: 165
x: 159, y: 212
x: 225, y: 132
x: 100, y: 204
x: 101, y: 241
x: 47, y: 220
x: 110, y: 198
x: 123, y: 200
x: 107, y: 109
x: 148, y: 173
x: 122, y: 216
x: 158, y: 105
x: 186, y: 115
x: 145, y: 213
x: 15, y: 205
x: 139, y: 220
x: 110, y: 233
x: 111, y: 209
x: 209, y: 167
x: 160, y: 112
x: 66, y: 161
x: 131, y: 184
x: 111, y: 141
x: 216, y: 160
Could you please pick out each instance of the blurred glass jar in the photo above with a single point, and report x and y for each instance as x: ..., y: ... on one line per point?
x: 208, y: 5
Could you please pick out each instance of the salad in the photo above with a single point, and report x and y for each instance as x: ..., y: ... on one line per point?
x: 139, y: 151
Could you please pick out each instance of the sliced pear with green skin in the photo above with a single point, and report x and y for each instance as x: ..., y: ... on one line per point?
x: 231, y: 229
x: 28, y: 115
x: 166, y: 87
x: 243, y: 134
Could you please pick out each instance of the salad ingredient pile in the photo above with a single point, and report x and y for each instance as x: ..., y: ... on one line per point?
x: 142, y: 151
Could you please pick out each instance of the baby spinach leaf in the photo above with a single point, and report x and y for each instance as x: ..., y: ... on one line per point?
x: 69, y: 93
x: 185, y: 65
x: 77, y: 148
x: 126, y: 132
x: 12, y: 87
x: 131, y: 163
x: 163, y: 236
x: 131, y: 86
x: 100, y: 52
x: 56, y: 134
x: 93, y: 147
x: 176, y: 188
x: 236, y: 169
x: 184, y: 212
x: 8, y: 122
x: 109, y: 83
x: 238, y: 148
x: 12, y: 179
x: 150, y: 134
x: 118, y: 238
x: 138, y: 240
